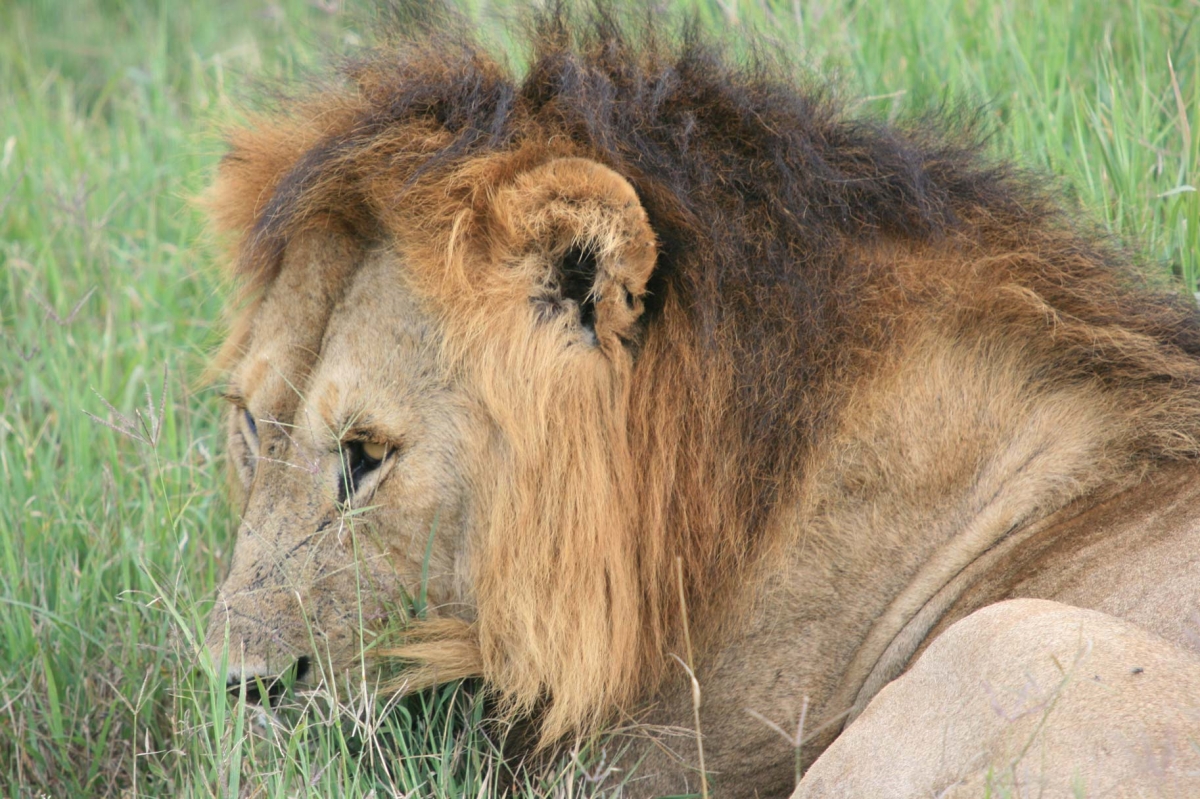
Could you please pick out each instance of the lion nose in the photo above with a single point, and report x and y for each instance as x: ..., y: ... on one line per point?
x: 273, y: 684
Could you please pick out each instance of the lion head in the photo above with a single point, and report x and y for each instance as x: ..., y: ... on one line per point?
x: 447, y: 414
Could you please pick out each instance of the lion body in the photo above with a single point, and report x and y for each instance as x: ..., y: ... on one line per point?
x: 668, y: 358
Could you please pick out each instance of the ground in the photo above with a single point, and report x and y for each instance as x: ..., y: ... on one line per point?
x: 113, y: 531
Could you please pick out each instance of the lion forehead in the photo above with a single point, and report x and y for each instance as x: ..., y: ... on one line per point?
x: 364, y: 346
x: 380, y: 350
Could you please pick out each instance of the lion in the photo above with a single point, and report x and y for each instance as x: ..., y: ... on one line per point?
x: 659, y: 392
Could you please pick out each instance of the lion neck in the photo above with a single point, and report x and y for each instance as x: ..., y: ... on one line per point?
x: 958, y: 446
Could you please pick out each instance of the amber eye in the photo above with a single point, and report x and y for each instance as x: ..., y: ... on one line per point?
x: 360, y: 458
x: 247, y: 432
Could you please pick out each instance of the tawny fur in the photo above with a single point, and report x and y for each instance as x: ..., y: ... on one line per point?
x: 785, y: 296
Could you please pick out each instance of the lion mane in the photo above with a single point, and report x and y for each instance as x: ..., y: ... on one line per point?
x: 795, y: 249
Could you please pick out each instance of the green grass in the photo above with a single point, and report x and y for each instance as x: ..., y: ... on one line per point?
x: 112, y: 542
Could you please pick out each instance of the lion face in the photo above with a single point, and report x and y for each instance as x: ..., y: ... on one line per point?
x: 351, y: 458
x: 400, y: 438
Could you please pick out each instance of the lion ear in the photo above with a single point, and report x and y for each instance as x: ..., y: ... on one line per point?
x: 585, y: 237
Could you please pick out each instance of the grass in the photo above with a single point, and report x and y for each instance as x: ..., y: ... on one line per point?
x: 113, y: 537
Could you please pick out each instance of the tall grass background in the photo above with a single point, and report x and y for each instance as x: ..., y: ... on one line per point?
x: 113, y: 531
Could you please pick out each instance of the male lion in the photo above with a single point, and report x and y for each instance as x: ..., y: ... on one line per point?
x: 644, y: 354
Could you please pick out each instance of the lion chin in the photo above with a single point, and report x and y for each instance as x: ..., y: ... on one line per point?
x: 644, y: 364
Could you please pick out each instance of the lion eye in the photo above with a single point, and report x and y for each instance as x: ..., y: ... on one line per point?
x: 360, y: 459
x: 246, y: 442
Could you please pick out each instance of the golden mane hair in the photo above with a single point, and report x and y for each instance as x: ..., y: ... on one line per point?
x: 792, y: 244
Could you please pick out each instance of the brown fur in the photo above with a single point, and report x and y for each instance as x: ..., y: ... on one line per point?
x: 815, y: 336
